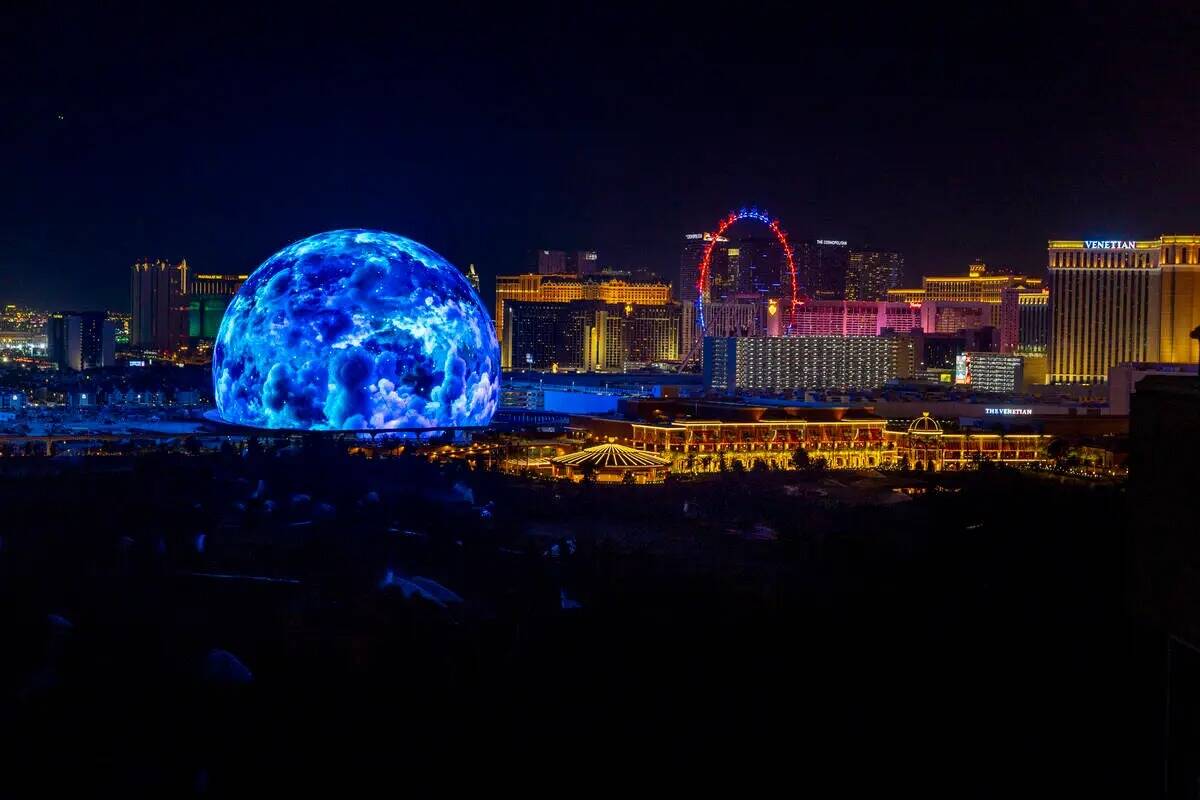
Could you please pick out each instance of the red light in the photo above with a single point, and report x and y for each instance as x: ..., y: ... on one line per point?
x: 722, y: 226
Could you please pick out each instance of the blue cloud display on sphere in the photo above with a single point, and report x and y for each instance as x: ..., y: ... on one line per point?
x: 356, y: 329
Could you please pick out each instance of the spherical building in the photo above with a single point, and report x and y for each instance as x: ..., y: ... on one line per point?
x: 356, y: 329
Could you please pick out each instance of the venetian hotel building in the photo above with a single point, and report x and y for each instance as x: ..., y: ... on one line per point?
x: 1121, y: 301
x: 1179, y: 260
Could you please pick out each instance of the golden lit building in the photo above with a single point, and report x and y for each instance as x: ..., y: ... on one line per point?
x: 216, y: 284
x: 565, y: 288
x: 906, y: 295
x: 1105, y: 298
x: 977, y: 286
x: 851, y: 443
x: 924, y: 443
x: 1179, y: 314
x: 611, y: 463
x: 856, y: 440
x: 1025, y: 321
x: 589, y: 334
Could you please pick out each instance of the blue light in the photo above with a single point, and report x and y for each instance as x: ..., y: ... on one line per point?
x: 753, y: 213
x: 356, y: 329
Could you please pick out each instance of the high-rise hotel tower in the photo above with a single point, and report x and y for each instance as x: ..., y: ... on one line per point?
x: 1121, y: 301
x: 1179, y: 258
x: 158, y: 299
x: 1104, y: 301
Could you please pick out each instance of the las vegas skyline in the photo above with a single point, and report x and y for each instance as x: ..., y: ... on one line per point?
x: 220, y: 138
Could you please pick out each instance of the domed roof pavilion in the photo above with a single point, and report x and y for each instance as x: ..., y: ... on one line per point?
x: 610, y: 463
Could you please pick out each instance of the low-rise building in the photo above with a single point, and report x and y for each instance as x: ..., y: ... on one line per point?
x: 843, y: 438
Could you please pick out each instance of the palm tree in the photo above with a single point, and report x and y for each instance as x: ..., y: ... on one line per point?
x: 800, y: 458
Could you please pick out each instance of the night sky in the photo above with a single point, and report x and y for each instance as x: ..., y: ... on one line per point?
x: 221, y: 136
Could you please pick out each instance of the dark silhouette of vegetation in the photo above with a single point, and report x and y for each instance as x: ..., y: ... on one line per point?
x: 800, y: 458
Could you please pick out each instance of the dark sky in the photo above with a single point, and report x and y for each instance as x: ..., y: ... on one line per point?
x: 220, y: 136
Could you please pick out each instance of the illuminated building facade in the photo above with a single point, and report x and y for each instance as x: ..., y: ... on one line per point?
x: 853, y: 318
x: 1024, y: 320
x: 611, y: 463
x: 844, y: 439
x: 121, y: 322
x: 204, y: 315
x: 1033, y: 330
x: 1179, y: 259
x: 924, y: 444
x: 209, y: 295
x: 473, y: 277
x: 589, y: 335
x: 937, y: 351
x: 906, y: 295
x: 738, y: 317
x: 689, y: 266
x: 871, y: 273
x: 977, y: 286
x: 649, y: 334
x: 216, y: 284
x: 762, y: 267
x: 79, y: 341
x: 98, y: 340
x: 989, y: 372
x: 822, y: 264
x: 853, y: 442
x: 157, y: 296
x: 788, y: 363
x: 948, y: 316
x: 1104, y: 307
x: 690, y: 256
x: 532, y: 288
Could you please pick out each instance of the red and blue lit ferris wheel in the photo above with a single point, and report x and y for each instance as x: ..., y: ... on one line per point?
x: 724, y: 225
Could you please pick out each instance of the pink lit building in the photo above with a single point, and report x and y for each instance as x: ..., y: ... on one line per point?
x: 853, y: 318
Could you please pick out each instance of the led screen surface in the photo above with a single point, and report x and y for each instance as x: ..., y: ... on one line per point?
x: 962, y: 368
x: 352, y: 330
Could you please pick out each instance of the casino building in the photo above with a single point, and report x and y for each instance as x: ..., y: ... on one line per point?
x: 535, y: 288
x: 1179, y: 312
x: 1113, y: 302
x: 977, y: 286
x: 852, y: 318
x: 589, y: 335
x: 845, y: 438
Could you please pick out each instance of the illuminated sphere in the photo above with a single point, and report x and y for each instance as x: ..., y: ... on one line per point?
x: 352, y: 330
